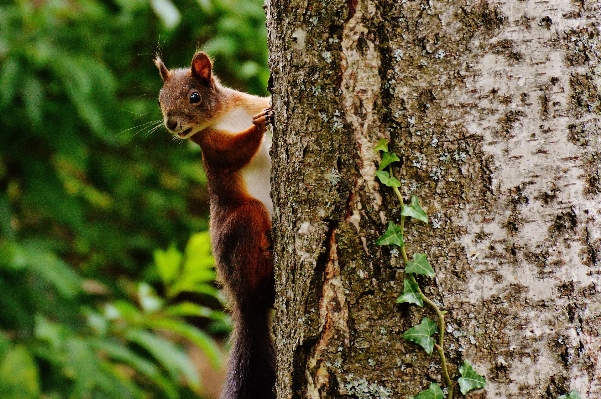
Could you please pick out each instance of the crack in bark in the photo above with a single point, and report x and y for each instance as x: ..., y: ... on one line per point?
x: 360, y: 86
x: 333, y: 320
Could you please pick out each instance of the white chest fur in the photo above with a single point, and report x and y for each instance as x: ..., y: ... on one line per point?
x: 257, y: 174
x: 235, y: 121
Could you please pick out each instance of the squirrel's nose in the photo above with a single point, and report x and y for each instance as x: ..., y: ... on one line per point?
x: 171, y: 123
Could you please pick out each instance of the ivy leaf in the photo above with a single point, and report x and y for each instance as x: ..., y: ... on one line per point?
x: 434, y: 392
x: 393, y: 236
x: 470, y: 380
x: 422, y: 334
x: 410, y: 294
x: 387, y: 180
x: 572, y: 395
x: 387, y: 159
x: 382, y: 145
x: 420, y: 265
x: 415, y: 210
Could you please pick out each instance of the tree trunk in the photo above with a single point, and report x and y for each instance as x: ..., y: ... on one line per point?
x: 494, y: 109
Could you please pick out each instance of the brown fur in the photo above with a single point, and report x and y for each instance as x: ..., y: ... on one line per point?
x: 240, y: 224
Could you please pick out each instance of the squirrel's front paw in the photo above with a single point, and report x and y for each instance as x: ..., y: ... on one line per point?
x: 264, y: 118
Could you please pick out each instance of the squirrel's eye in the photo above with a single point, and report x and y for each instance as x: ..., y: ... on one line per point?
x: 194, y: 98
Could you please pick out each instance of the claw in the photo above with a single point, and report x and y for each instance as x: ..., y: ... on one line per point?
x: 269, y: 114
x: 265, y: 117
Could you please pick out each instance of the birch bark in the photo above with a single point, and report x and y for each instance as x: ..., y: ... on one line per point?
x: 494, y: 108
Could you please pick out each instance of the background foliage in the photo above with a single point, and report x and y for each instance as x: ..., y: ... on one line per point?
x: 92, y: 305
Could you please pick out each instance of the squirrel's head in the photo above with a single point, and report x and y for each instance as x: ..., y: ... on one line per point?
x: 189, y: 98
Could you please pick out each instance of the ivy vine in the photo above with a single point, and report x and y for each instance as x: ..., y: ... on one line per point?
x: 423, y: 333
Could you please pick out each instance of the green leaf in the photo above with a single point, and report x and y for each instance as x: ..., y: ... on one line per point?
x: 192, y: 287
x: 6, y: 229
x: 51, y: 268
x: 168, y: 263
x: 122, y: 309
x: 97, y: 321
x: 197, y: 274
x: 149, y: 300
x: 392, y: 236
x: 387, y: 180
x: 4, y: 344
x: 186, y: 309
x: 574, y: 394
x: 196, y: 336
x: 82, y: 365
x: 19, y: 377
x: 387, y: 159
x: 422, y: 334
x: 411, y: 293
x: 434, y: 392
x: 12, y: 256
x: 469, y: 380
x: 199, y: 263
x: 169, y: 355
x: 115, y: 383
x: 55, y: 334
x: 9, y: 79
x: 167, y: 11
x: 382, y: 145
x: 148, y: 369
x: 415, y: 210
x: 81, y: 76
x: 33, y: 94
x: 420, y: 265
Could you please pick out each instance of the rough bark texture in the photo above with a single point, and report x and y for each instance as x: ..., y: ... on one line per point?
x: 494, y: 108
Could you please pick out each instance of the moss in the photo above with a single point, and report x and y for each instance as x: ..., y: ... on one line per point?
x: 584, y: 96
x: 549, y: 196
x: 565, y: 222
x: 481, y: 16
x: 581, y: 45
x: 507, y: 122
x: 525, y: 21
x: 558, y: 385
x: 512, y: 224
x: 593, y: 182
x: 585, y: 133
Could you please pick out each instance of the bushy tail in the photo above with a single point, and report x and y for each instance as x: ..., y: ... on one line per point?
x: 251, y: 372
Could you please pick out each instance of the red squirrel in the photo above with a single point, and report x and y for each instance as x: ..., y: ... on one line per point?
x: 229, y: 126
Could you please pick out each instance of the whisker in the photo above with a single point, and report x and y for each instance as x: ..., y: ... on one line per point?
x: 138, y: 115
x: 142, y: 125
x: 177, y: 140
x: 147, y: 126
x: 153, y: 129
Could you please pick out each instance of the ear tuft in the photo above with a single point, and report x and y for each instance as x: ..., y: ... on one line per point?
x: 162, y: 68
x: 201, y: 67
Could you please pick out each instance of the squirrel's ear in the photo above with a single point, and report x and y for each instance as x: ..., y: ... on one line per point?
x: 201, y: 67
x: 162, y: 68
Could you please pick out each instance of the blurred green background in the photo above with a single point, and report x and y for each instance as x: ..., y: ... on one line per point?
x: 106, y: 278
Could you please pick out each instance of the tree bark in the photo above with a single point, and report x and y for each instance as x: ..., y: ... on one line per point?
x: 494, y: 109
